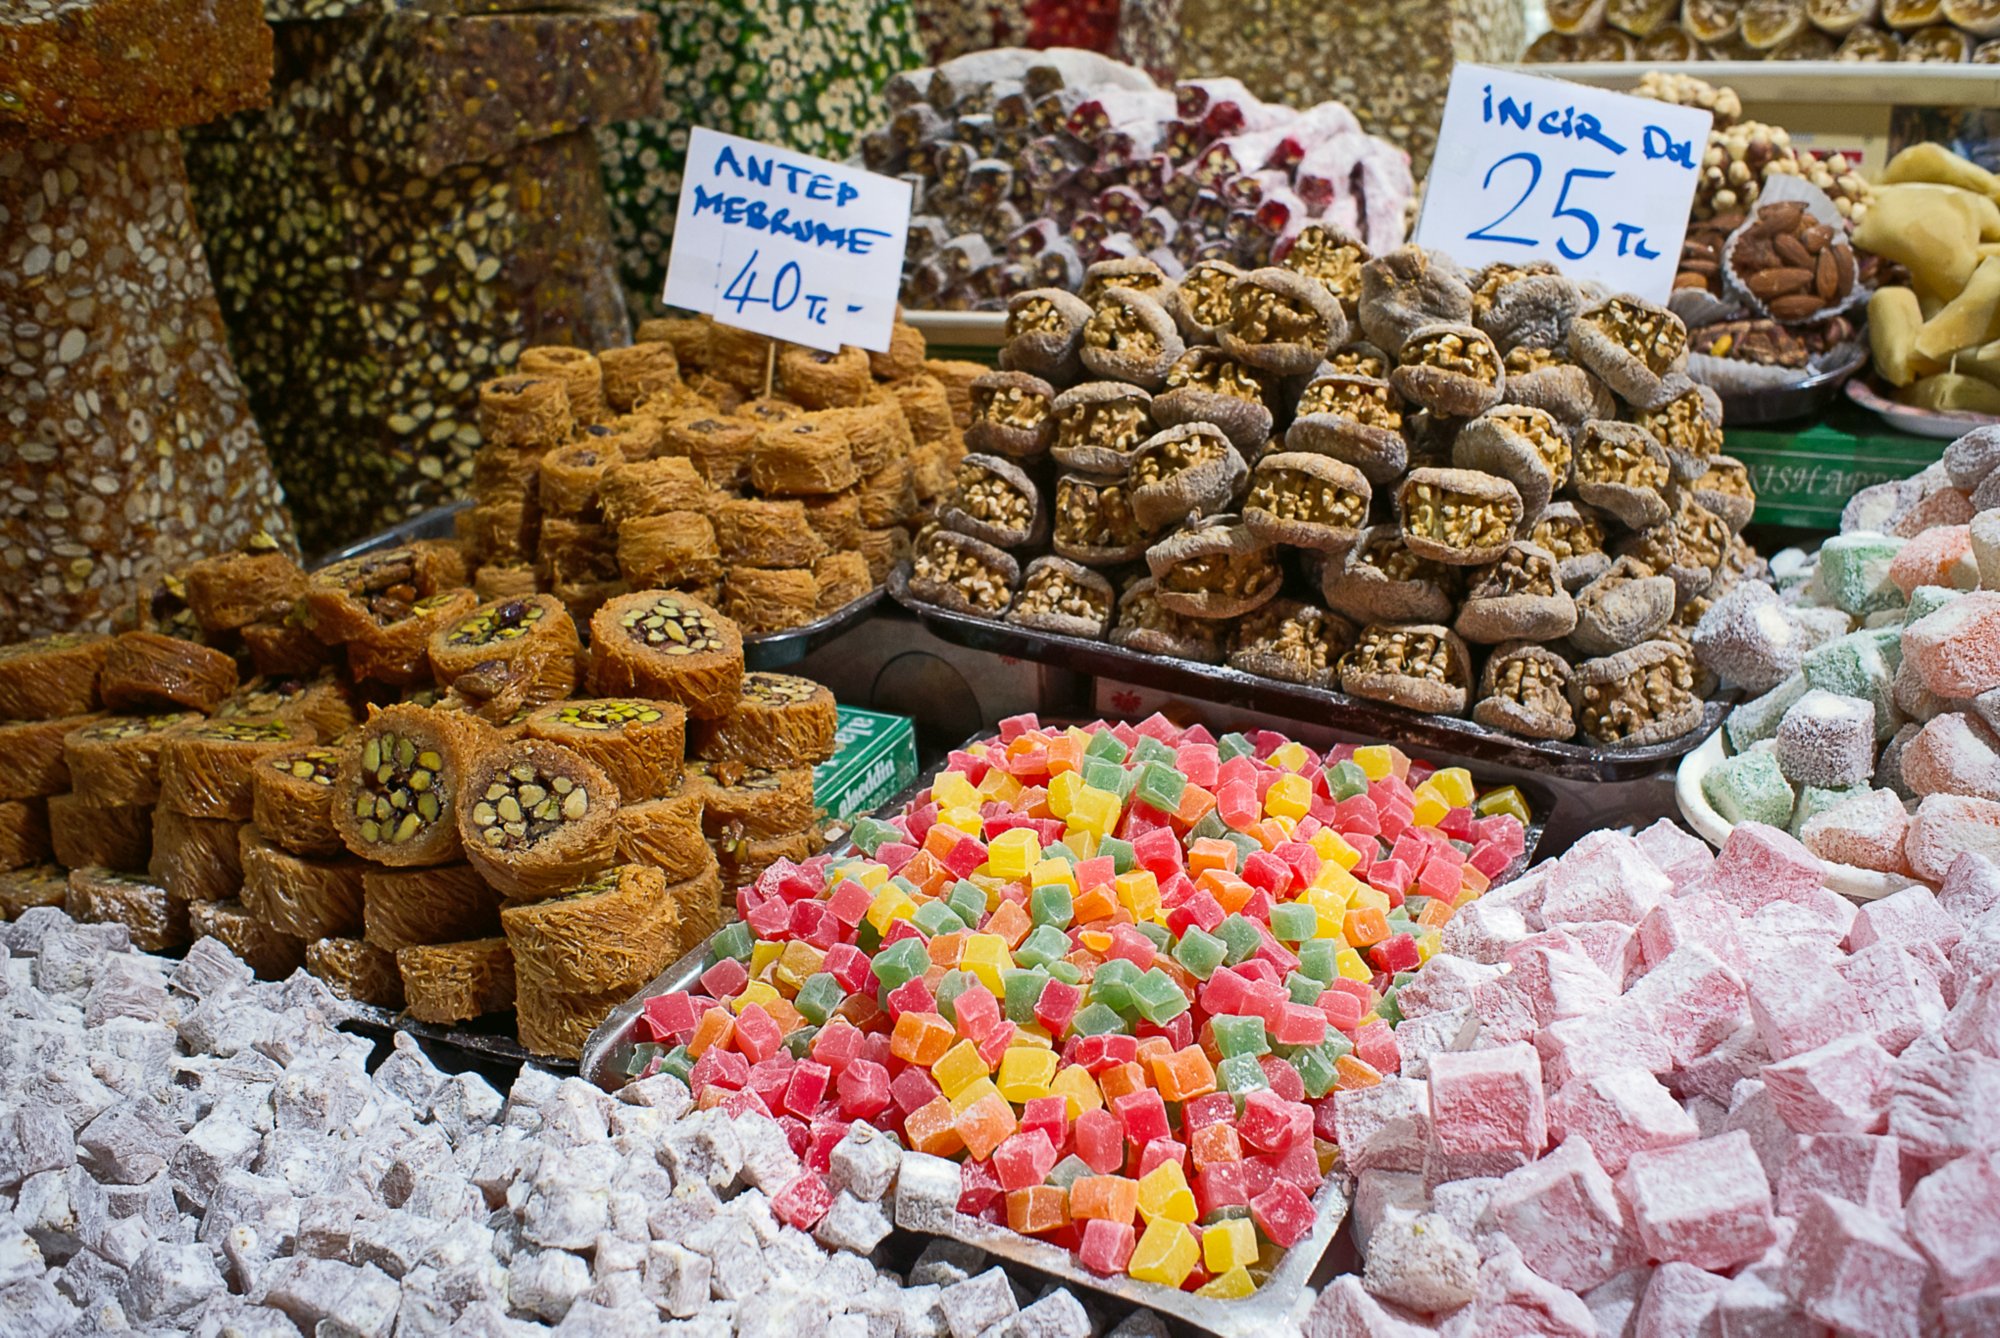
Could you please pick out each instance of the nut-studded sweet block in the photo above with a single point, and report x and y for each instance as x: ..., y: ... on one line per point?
x: 86, y: 69
x: 129, y: 449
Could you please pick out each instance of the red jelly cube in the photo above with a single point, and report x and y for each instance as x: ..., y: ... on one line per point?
x: 1412, y: 849
x: 1214, y: 1108
x: 769, y: 1078
x: 976, y: 1012
x: 1157, y: 726
x: 719, y: 1068
x: 1047, y: 1115
x: 1490, y: 859
x: 727, y: 978
x: 745, y: 1102
x: 1264, y: 869
x: 1177, y: 1031
x: 1284, y: 1079
x: 1160, y: 1151
x: 769, y: 919
x: 848, y: 965
x: 1357, y: 816
x: 807, y: 1088
x: 1057, y: 1005
x: 1265, y: 999
x: 1024, y: 1159
x: 1158, y: 851
x: 1098, y: 1053
x: 1389, y: 875
x: 1100, y: 1141
x: 1237, y: 805
x: 1130, y: 945
x: 863, y: 1089
x: 820, y: 1138
x: 1300, y: 1024
x: 1143, y: 1115
x: 1107, y: 1246
x: 1224, y: 992
x: 804, y: 1201
x: 1393, y: 819
x: 965, y: 857
x: 1440, y: 879
x: 893, y: 855
x: 1284, y: 1214
x: 913, y: 1089
x: 1223, y: 1185
x: 837, y: 1044
x: 1269, y: 1123
x: 1296, y: 1165
x: 672, y: 1016
x: 900, y: 930
x: 978, y: 1187
x: 1375, y: 1045
x: 1095, y: 872
x: 1396, y: 953
x: 1014, y: 726
x: 1199, y: 762
x: 1457, y: 824
x: 877, y: 1048
x: 912, y: 996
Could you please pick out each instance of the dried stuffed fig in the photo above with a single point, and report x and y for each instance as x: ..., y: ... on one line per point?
x: 1099, y: 424
x: 1419, y: 665
x: 1518, y: 598
x: 1182, y: 473
x: 1407, y: 289
x: 1307, y: 501
x: 1354, y: 419
x: 1634, y: 346
x: 1358, y: 357
x: 1145, y: 624
x: 1136, y: 273
x: 1059, y: 596
x: 1618, y: 610
x: 1724, y: 488
x: 1689, y: 425
x: 993, y: 501
x: 1011, y: 415
x: 1381, y: 580
x: 1529, y: 305
x: 1130, y: 337
x: 1199, y: 304
x: 1457, y: 516
x: 1331, y: 256
x: 1452, y: 370
x: 1525, y: 446
x: 958, y: 572
x: 1282, y: 322
x: 1215, y: 569
x: 1548, y: 380
x: 1292, y: 641
x: 1045, y: 333
x: 1636, y: 697
x: 1621, y: 469
x: 1094, y: 524
x: 1688, y: 547
x: 1525, y: 691
x: 1207, y: 385
x: 1574, y: 536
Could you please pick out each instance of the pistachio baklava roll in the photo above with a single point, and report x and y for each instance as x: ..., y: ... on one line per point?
x: 401, y: 777
x: 287, y: 647
x: 291, y: 800
x: 33, y: 758
x: 638, y: 743
x: 206, y: 770
x: 358, y: 970
x: 444, y: 904
x: 752, y: 532
x: 779, y: 720
x: 504, y: 581
x: 115, y: 761
x: 196, y: 859
x: 524, y: 412
x: 556, y: 1024
x: 667, y: 646
x: 700, y: 900
x: 649, y: 487
x: 632, y: 374
x: 269, y: 952
x: 456, y: 982
x: 811, y: 457
x: 146, y: 671
x: 259, y: 583
x: 926, y: 408
x: 51, y: 677
x: 889, y: 495
x: 35, y: 885
x: 571, y: 476
x: 881, y: 550
x: 761, y: 801
x: 842, y: 578
x: 612, y: 930
x: 534, y: 636
x: 397, y: 651
x: 836, y: 519
x: 816, y: 379
x: 354, y: 597
x: 665, y: 833
x: 720, y: 448
x: 904, y: 358
x: 762, y: 599
x: 672, y: 550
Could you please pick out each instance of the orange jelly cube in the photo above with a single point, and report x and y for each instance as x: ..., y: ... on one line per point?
x: 1365, y: 928
x: 933, y: 1128
x: 716, y: 1027
x: 1037, y: 1209
x: 1213, y: 1144
x: 1010, y: 922
x: 1196, y: 804
x: 1154, y: 1048
x: 1120, y: 1079
x: 788, y: 1018
x: 1351, y: 1073
x: 1065, y: 754
x: 1210, y: 853
x: 1183, y: 1075
x: 1435, y: 914
x: 921, y: 1038
x: 944, y: 950
x: 1226, y: 888
x: 1094, y: 905
x: 986, y: 1124
x: 1113, y: 1198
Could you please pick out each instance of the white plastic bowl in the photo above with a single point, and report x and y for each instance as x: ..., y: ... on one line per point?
x: 1852, y: 883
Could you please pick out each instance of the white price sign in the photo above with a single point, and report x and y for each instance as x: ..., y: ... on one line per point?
x: 1597, y: 183
x: 788, y: 245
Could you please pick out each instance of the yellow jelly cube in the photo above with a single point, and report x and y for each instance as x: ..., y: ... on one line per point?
x: 1138, y: 892
x: 1095, y: 809
x: 1164, y: 1192
x: 967, y: 820
x: 1063, y: 791
x: 756, y: 992
x: 1330, y: 907
x: 762, y: 954
x: 1230, y: 1243
x: 1290, y: 757
x: 871, y: 876
x: 953, y: 790
x: 1026, y: 1072
x: 1053, y: 871
x: 1455, y: 784
x: 985, y: 956
x: 1082, y: 840
x: 1506, y: 799
x: 1078, y: 1090
x: 1429, y: 808
x: 1231, y: 1286
x: 1376, y: 760
x: 890, y: 905
x: 1166, y: 1253
x: 1428, y: 945
x: 1348, y: 962
x: 958, y: 1067
x: 1367, y: 898
x: 1012, y: 853
x: 998, y: 785
x: 796, y: 961
x: 1290, y: 796
x: 972, y: 1092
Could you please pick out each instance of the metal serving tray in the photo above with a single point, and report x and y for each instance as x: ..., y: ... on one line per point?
x: 768, y: 650
x: 490, y: 1037
x: 1448, y: 735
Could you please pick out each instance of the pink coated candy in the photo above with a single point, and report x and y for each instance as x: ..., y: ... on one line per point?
x: 1866, y: 831
x: 1679, y: 1300
x: 1487, y: 1109
x: 1840, y: 1086
x: 1849, y: 1268
x: 1955, y: 753
x: 1706, y: 1203
x: 1620, y: 1113
x: 1947, y: 825
x: 1954, y: 1218
x: 1760, y: 864
x: 1941, y: 556
x: 1957, y: 648
x: 1562, y: 1214
x: 1862, y: 1168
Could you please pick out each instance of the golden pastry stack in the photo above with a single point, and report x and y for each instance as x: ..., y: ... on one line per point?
x: 666, y: 465
x: 413, y: 800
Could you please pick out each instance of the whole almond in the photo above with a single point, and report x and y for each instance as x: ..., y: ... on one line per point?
x: 1826, y: 277
x: 1784, y: 215
x: 1686, y: 279
x: 1796, y: 307
x: 1707, y: 268
x: 1771, y: 283
x: 1791, y: 250
x: 1843, y: 262
x: 1816, y: 236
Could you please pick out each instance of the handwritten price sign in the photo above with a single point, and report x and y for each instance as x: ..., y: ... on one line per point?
x: 788, y: 245
x: 1597, y: 183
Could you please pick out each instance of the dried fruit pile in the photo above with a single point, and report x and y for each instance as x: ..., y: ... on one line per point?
x: 1844, y: 30
x: 665, y: 466
x: 1029, y: 166
x: 1349, y: 471
x: 1123, y: 970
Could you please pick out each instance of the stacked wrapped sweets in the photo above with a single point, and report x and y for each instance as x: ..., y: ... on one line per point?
x: 1028, y: 166
x: 420, y: 203
x: 129, y: 448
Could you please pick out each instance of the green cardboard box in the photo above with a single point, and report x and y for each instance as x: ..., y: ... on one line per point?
x: 874, y: 758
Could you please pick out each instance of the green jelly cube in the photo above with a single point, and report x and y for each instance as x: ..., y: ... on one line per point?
x: 1750, y: 788
x: 1241, y: 1074
x: 1068, y: 1171
x: 1303, y: 988
x: 1200, y: 952
x: 1209, y: 828
x: 869, y: 833
x: 798, y: 1042
x: 1160, y: 1000
x: 1316, y: 1071
x: 1414, y: 906
x: 1120, y: 853
x: 867, y: 937
x: 1240, y: 1035
x: 1161, y: 786
x: 678, y: 1062
x: 1159, y: 935
x: 732, y: 940
x: 1345, y: 779
x: 1402, y: 978
x: 1239, y: 934
x: 1058, y: 850
x: 1105, y: 744
x: 1390, y: 1010
x: 1151, y: 749
x: 1112, y: 985
x: 1234, y: 745
x: 642, y: 1056
x: 1246, y: 846
x: 1051, y: 904
x: 909, y: 888
x: 937, y: 917
x: 1294, y: 922
x: 1316, y: 959
x: 1096, y: 1019
x: 1069, y: 973
x: 1128, y: 781
x: 818, y: 996
x: 1102, y: 774
x: 1335, y: 1045
x: 1044, y: 944
x: 969, y: 901
x: 955, y: 983
x: 900, y: 963
x: 1023, y: 989
x: 1757, y: 719
x: 1853, y: 573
